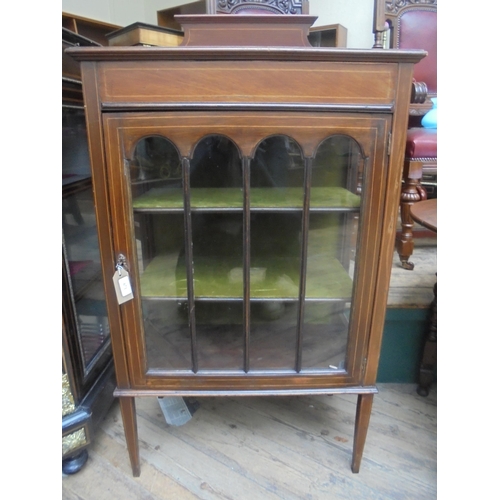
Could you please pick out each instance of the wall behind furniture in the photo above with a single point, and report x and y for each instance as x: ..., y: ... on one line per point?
x: 355, y: 15
x: 119, y: 12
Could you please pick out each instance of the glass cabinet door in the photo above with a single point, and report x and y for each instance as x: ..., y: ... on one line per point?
x: 243, y: 246
x: 82, y: 274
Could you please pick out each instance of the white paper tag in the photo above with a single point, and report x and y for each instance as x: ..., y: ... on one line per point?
x: 123, y: 287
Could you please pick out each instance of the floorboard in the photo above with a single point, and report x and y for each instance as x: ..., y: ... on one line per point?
x: 414, y: 289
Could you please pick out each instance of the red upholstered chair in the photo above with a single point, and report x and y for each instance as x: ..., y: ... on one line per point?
x: 413, y: 25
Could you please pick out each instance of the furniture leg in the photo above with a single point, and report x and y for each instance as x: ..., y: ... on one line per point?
x: 73, y: 464
x: 363, y: 412
x: 411, y: 192
x: 127, y: 407
x: 429, y: 356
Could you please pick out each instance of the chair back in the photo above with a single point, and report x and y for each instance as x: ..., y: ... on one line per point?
x: 414, y: 26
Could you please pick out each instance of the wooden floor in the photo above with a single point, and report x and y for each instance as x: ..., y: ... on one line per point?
x: 268, y: 448
x: 414, y: 289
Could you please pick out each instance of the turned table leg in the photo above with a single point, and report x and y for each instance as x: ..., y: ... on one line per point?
x: 411, y: 192
x: 363, y: 412
x: 127, y: 407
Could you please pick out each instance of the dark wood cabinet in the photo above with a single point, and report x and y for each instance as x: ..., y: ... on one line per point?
x: 87, y: 365
x: 246, y: 200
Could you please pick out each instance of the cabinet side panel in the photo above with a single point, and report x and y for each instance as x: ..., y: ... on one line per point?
x: 390, y: 214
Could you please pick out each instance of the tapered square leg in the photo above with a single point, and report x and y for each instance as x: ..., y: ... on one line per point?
x: 363, y: 412
x: 127, y: 407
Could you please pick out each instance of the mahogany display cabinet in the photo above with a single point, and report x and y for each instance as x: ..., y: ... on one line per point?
x: 247, y: 189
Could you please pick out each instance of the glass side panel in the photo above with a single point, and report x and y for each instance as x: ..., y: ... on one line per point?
x: 80, y: 243
x: 276, y: 202
x: 84, y: 268
x: 75, y: 152
x: 156, y: 178
x: 337, y: 167
x: 217, y: 236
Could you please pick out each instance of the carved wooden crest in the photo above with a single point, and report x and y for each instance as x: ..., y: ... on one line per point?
x: 271, y: 6
x: 394, y: 6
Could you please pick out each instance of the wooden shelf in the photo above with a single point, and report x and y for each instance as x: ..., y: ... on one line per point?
x: 273, y: 278
x: 89, y: 28
x: 322, y: 198
x: 332, y: 35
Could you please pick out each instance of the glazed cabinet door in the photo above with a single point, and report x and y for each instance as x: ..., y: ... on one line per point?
x: 249, y: 240
x: 84, y: 306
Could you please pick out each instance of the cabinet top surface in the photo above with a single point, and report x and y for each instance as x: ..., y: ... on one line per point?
x: 327, y: 54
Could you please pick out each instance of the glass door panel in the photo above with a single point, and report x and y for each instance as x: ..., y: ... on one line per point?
x: 216, y: 187
x: 335, y: 199
x: 80, y: 244
x: 246, y: 262
x: 81, y: 251
x: 158, y: 203
x: 276, y: 211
